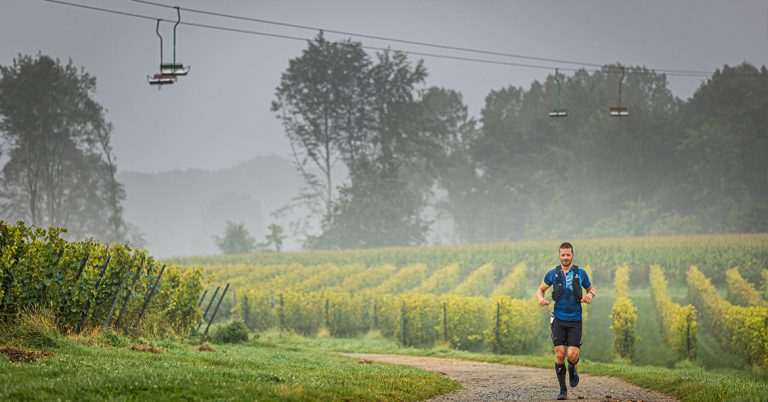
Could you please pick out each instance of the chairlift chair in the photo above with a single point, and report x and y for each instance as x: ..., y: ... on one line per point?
x: 160, y: 79
x: 558, y: 112
x: 174, y: 69
x: 619, y: 111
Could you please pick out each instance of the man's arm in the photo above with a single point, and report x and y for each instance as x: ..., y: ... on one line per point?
x: 540, y: 294
x: 587, y: 298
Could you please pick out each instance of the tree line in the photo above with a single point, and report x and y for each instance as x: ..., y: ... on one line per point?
x: 415, y: 155
x: 671, y: 167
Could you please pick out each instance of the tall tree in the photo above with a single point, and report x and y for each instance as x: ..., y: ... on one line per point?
x: 320, y: 101
x: 61, y: 169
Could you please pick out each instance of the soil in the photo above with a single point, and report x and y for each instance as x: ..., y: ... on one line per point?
x: 502, y: 382
x: 26, y: 356
x: 204, y: 348
x: 146, y: 348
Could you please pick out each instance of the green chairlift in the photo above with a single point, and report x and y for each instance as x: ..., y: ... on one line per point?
x: 174, y: 69
x: 161, y: 79
x: 619, y: 111
x: 558, y: 112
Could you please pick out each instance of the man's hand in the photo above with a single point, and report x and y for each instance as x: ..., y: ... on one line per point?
x: 587, y: 298
x: 543, y: 302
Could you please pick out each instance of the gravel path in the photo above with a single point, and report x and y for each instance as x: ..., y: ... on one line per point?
x: 502, y: 382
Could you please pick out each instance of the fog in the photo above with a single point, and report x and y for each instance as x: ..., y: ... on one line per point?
x: 207, y: 149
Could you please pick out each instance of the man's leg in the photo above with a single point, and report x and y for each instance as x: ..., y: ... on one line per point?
x: 573, y: 340
x: 573, y: 360
x: 560, y: 371
x: 558, y: 340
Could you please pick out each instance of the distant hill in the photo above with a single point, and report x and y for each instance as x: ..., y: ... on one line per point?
x: 180, y: 211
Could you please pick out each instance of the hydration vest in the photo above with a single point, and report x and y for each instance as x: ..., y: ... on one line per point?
x: 559, y: 286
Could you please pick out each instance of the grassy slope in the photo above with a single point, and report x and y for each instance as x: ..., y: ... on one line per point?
x: 80, y: 372
x: 686, y: 382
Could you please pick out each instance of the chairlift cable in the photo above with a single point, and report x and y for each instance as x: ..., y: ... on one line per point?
x: 674, y: 73
x: 405, y: 41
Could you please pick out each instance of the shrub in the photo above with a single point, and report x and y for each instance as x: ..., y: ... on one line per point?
x: 234, y: 332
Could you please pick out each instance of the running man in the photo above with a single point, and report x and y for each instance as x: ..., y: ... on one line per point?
x: 568, y: 279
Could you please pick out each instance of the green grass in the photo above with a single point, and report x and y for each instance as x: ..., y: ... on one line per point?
x: 246, y: 372
x: 686, y: 382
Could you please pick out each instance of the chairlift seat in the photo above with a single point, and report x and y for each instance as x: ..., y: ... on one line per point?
x: 558, y: 113
x: 619, y: 111
x: 161, y: 79
x: 174, y: 69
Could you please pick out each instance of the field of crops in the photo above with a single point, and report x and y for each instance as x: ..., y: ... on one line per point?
x: 699, y: 296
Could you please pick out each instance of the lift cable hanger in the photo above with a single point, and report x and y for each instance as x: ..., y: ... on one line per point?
x: 619, y: 111
x: 174, y: 69
x: 161, y: 79
x: 558, y: 112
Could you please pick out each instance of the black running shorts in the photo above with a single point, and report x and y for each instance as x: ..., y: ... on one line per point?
x: 566, y: 333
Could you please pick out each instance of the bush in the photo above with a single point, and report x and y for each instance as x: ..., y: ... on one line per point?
x: 233, y: 332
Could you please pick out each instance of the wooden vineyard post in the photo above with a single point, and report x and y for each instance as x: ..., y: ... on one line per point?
x: 149, y: 296
x: 128, y: 295
x: 205, y: 314
x: 216, y: 309
x: 88, y: 303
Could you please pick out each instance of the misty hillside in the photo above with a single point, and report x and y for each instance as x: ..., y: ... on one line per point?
x: 180, y: 211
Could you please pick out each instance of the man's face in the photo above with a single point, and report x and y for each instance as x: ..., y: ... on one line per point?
x: 566, y: 256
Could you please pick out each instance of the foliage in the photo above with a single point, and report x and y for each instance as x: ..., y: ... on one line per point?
x: 466, y: 319
x: 236, y: 239
x: 678, y: 323
x: 748, y: 251
x: 41, y: 270
x: 233, y: 332
x: 518, y: 326
x: 513, y: 283
x: 739, y: 329
x: 255, y: 309
x: 376, y: 210
x: 61, y: 168
x: 741, y: 292
x: 623, y: 317
x: 275, y: 237
x: 479, y: 283
x: 420, y: 317
x: 441, y: 281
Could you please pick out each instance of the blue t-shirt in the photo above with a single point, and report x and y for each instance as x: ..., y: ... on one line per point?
x: 567, y: 309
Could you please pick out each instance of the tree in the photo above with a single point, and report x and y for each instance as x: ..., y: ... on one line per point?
x: 61, y: 168
x: 337, y: 105
x: 320, y: 101
x: 275, y: 237
x: 724, y: 148
x: 236, y: 239
x: 375, y: 210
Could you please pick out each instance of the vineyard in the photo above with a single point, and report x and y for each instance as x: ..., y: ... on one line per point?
x: 480, y: 297
x: 89, y: 284
x: 477, y: 298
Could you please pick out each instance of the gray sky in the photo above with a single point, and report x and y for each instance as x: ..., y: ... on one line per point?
x: 219, y: 114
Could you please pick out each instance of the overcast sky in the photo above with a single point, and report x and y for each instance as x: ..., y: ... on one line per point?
x: 219, y: 114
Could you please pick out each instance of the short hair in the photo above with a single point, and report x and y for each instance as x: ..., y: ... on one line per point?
x: 566, y: 245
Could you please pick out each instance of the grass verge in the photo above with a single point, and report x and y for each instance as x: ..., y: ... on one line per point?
x: 178, y: 371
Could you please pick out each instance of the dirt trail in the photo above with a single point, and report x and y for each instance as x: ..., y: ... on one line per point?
x: 502, y: 382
